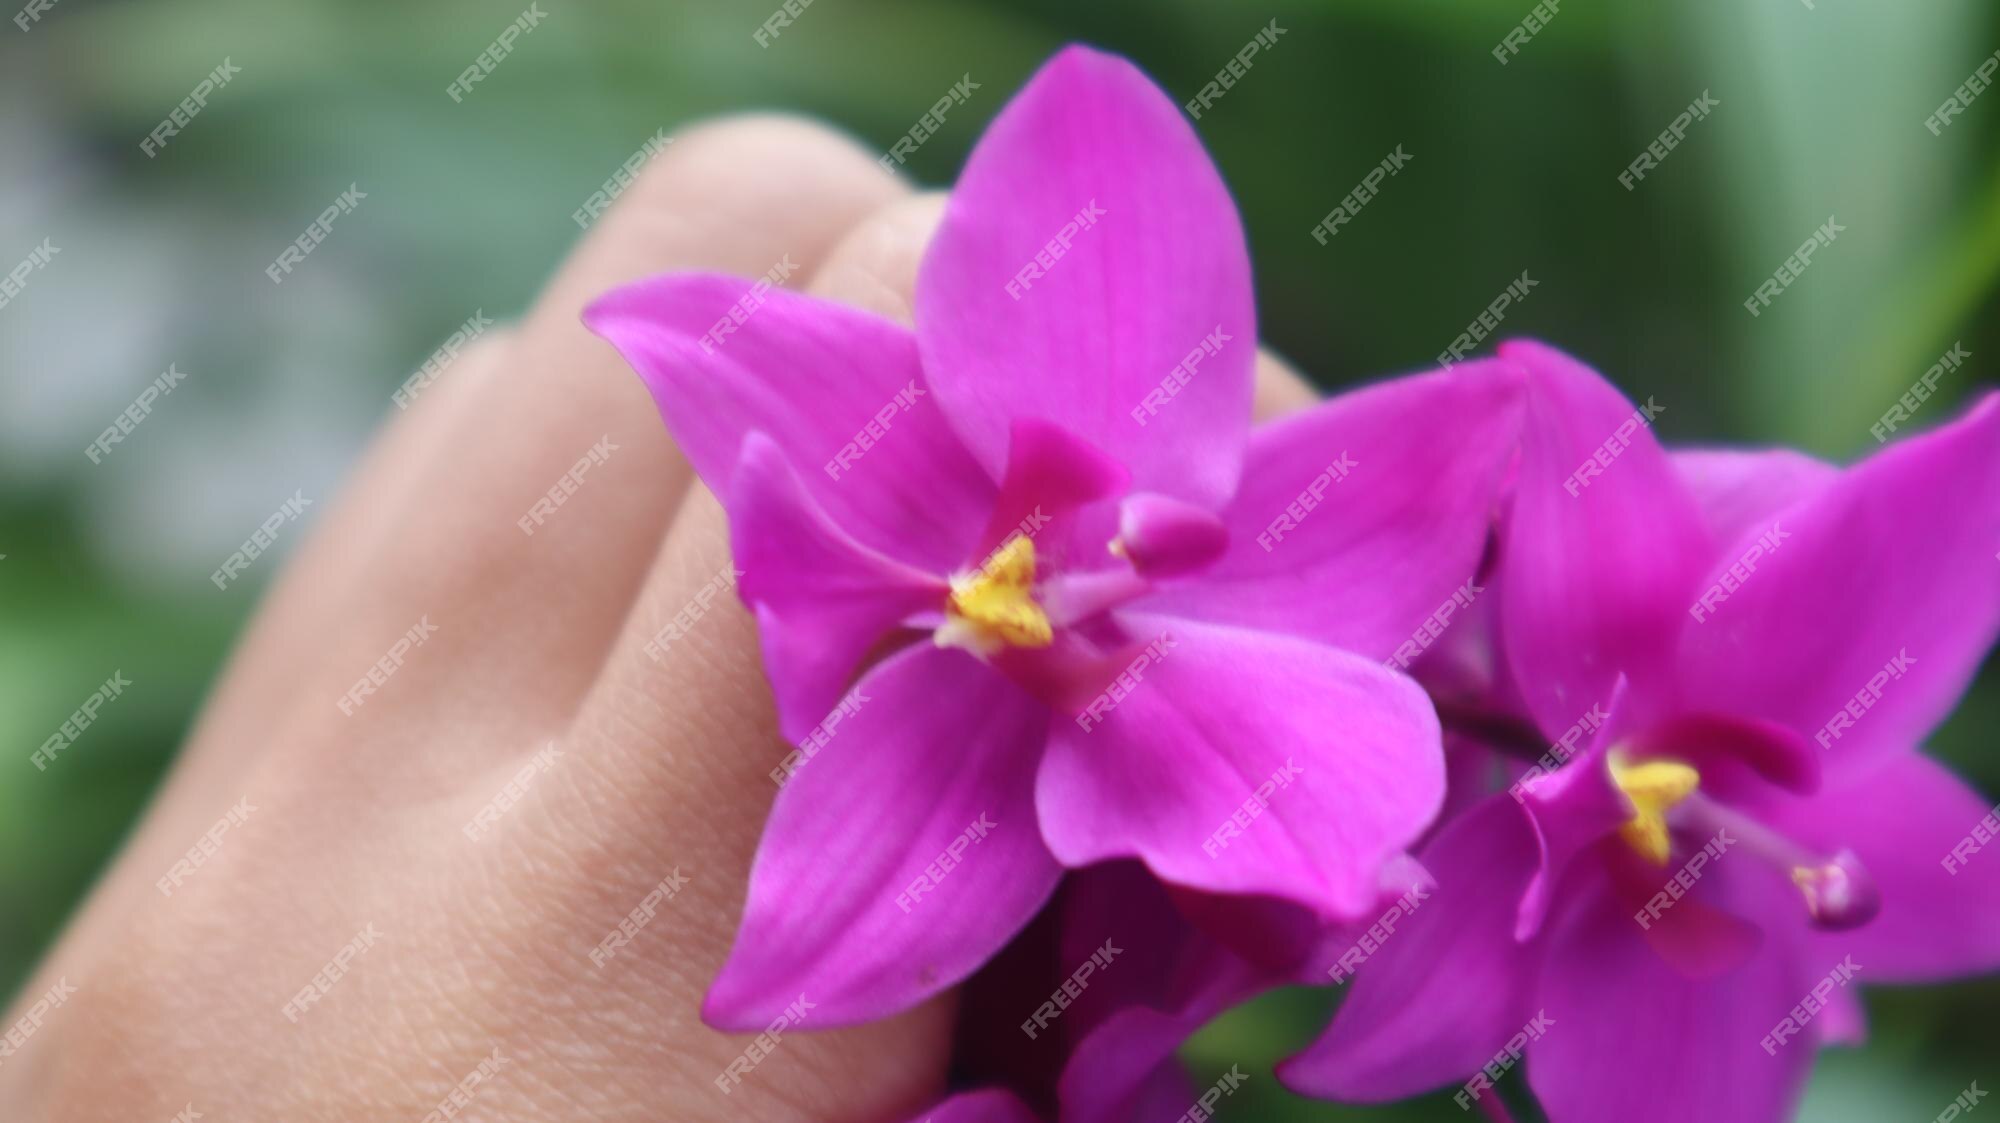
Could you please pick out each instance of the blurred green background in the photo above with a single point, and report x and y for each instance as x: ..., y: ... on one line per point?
x: 1822, y: 109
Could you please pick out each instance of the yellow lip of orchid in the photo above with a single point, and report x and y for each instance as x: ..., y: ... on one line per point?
x: 1653, y: 787
x: 994, y: 607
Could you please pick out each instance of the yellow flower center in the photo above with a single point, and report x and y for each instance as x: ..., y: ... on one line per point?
x: 1653, y: 787
x: 993, y: 607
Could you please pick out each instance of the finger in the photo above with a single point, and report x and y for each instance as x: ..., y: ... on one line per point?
x: 517, y: 552
x: 278, y: 649
x: 314, y: 593
x: 1281, y: 389
x: 669, y: 767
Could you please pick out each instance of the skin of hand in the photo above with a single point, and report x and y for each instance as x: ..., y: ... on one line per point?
x: 402, y: 889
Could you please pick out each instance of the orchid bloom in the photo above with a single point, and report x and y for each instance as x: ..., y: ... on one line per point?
x: 1125, y: 970
x: 1069, y: 606
x: 1669, y: 923
x: 1082, y: 1015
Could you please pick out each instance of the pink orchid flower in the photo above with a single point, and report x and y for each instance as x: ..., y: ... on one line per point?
x: 1670, y: 923
x: 1069, y: 604
x: 1082, y: 1014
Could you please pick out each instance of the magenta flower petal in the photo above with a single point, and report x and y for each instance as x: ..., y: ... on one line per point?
x: 1737, y: 490
x: 1894, y: 559
x: 1376, y: 504
x: 840, y: 391
x: 822, y: 599
x: 1126, y: 1066
x: 1630, y: 1038
x: 931, y: 758
x: 1735, y: 755
x: 1912, y: 824
x: 1050, y: 474
x: 992, y: 1105
x: 1436, y: 999
x: 1165, y: 537
x: 1603, y: 547
x: 1570, y: 810
x: 1168, y: 980
x: 1090, y: 249
x: 1330, y: 759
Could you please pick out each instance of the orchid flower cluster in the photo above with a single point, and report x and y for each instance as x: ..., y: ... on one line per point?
x: 1566, y: 749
